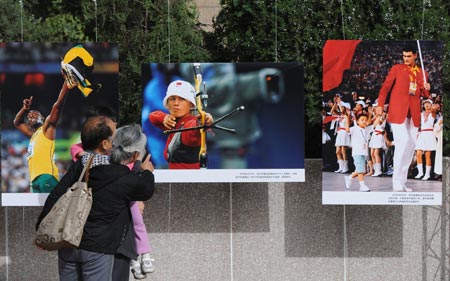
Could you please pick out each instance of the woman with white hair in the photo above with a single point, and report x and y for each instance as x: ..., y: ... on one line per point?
x: 114, y: 186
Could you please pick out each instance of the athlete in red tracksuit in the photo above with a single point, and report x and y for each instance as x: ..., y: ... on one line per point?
x: 406, y: 85
x: 182, y: 148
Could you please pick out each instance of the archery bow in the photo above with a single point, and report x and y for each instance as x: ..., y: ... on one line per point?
x: 200, y: 100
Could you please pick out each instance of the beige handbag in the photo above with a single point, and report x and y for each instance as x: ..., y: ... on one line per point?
x: 63, y: 226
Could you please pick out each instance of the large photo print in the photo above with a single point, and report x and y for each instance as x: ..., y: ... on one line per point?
x: 224, y: 122
x: 47, y: 89
x: 382, y: 122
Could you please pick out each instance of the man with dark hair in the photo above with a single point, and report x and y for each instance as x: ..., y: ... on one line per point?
x: 42, y: 133
x: 77, y: 150
x: 96, y: 134
x: 406, y: 85
x: 114, y: 186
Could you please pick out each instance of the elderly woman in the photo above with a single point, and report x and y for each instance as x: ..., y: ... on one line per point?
x: 114, y: 186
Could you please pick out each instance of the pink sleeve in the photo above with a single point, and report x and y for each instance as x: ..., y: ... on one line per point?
x: 75, y: 149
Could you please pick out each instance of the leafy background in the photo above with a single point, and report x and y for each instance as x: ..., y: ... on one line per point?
x: 244, y: 30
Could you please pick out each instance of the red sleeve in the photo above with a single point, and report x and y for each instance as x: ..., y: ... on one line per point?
x: 387, y: 85
x: 424, y: 93
x: 191, y: 138
x: 157, y: 118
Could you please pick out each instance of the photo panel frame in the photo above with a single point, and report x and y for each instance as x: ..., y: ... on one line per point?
x: 373, y: 79
x: 32, y: 73
x: 266, y: 106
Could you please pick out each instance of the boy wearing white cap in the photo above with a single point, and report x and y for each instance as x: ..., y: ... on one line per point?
x: 182, y: 148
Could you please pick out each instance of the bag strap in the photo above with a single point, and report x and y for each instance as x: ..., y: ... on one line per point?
x: 86, y: 169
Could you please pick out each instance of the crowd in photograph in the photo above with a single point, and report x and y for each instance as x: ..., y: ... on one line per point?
x: 341, y: 113
x: 385, y: 116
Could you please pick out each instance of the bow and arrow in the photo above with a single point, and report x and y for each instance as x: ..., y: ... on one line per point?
x: 201, y: 100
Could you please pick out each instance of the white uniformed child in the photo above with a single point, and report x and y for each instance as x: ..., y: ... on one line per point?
x: 360, y: 141
x: 342, y: 138
x: 426, y: 141
x: 377, y: 142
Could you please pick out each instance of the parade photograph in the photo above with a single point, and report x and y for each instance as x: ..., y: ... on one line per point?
x: 382, y: 122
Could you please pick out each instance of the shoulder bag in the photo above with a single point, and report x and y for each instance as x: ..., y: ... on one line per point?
x: 63, y: 226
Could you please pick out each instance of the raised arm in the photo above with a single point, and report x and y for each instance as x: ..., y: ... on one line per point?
x: 53, y: 118
x: 18, y: 120
x: 51, y: 121
x: 347, y: 123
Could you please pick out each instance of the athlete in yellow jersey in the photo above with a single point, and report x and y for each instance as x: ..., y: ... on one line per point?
x: 42, y: 132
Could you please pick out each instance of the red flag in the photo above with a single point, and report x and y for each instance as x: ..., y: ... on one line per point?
x: 337, y: 57
x: 329, y: 118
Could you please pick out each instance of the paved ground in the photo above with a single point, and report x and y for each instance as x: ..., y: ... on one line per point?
x: 335, y: 182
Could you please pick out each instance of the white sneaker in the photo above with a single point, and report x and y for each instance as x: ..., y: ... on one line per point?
x: 364, y: 188
x: 407, y: 189
x: 419, y: 175
x: 401, y: 187
x: 344, y: 169
x: 147, y: 265
x: 348, y: 182
x: 426, y: 177
x: 377, y: 173
x: 136, y: 270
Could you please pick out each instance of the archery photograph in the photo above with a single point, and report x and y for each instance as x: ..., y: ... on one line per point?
x: 47, y: 90
x: 224, y: 122
x: 382, y: 122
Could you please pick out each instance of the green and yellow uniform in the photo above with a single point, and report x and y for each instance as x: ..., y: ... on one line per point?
x: 41, y: 164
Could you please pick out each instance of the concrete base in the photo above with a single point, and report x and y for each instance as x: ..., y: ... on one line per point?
x: 246, y: 232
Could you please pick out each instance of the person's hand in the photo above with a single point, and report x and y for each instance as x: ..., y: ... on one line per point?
x: 208, y: 118
x: 79, y: 154
x: 379, y: 110
x: 141, y: 206
x: 146, y: 164
x: 427, y: 86
x: 436, y: 107
x: 70, y: 79
x: 38, y: 247
x: 169, y: 121
x: 27, y: 103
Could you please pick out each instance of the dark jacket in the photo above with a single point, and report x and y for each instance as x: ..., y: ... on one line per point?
x: 113, y: 187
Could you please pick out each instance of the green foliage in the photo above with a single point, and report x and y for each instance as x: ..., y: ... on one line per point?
x: 250, y: 30
x: 13, y: 20
x: 146, y: 31
x: 298, y: 34
x: 257, y: 30
x: 60, y: 28
x: 244, y: 30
